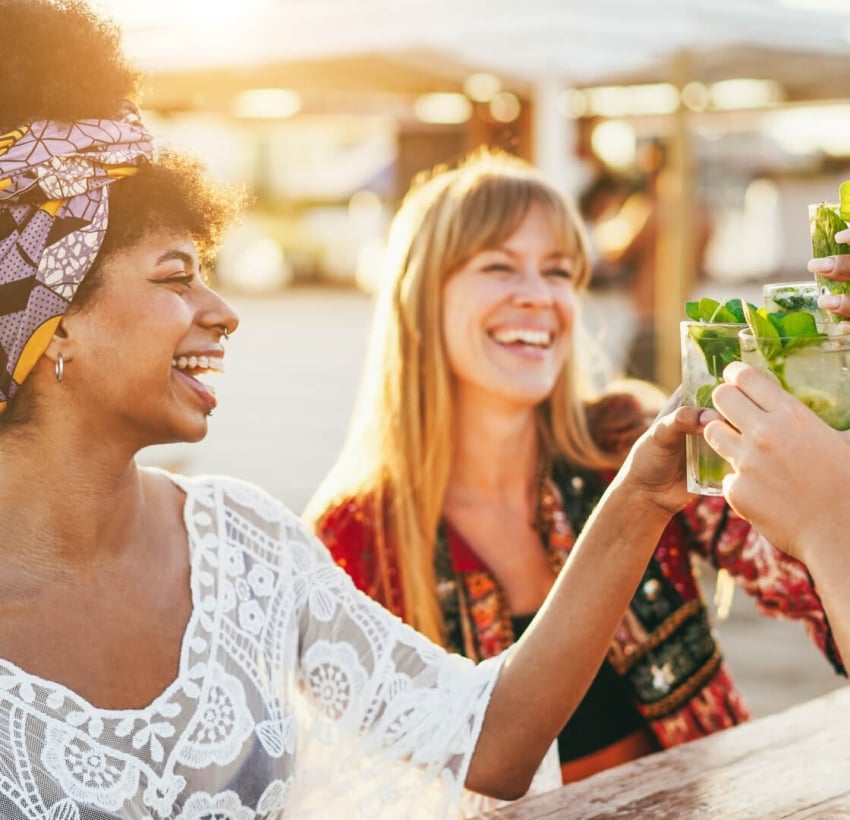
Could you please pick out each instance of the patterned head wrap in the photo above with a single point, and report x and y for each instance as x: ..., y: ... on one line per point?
x: 53, y: 216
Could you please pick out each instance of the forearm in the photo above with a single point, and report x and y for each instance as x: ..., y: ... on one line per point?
x: 553, y: 664
x: 830, y: 569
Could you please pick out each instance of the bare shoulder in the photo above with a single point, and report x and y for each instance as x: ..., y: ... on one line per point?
x: 163, y: 491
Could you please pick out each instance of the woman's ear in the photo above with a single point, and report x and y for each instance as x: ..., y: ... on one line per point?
x: 60, y: 343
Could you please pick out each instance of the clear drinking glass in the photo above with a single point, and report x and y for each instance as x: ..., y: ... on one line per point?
x: 790, y: 297
x: 824, y: 221
x: 707, y: 347
x: 815, y: 369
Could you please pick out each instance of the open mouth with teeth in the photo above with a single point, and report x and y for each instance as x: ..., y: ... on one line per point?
x: 198, y: 364
x: 523, y: 336
x: 189, y: 368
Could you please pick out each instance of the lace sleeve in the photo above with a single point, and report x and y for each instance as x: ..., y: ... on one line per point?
x: 389, y: 720
x: 378, y: 693
x: 381, y: 722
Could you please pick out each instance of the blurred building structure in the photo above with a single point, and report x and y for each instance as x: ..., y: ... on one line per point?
x: 327, y: 108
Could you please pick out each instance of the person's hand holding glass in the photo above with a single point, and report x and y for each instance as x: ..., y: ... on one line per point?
x: 789, y: 468
x: 835, y: 269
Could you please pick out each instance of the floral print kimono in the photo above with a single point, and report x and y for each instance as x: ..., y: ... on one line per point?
x: 664, y: 648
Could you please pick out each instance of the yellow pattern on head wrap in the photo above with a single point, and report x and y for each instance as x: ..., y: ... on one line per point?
x: 34, y: 348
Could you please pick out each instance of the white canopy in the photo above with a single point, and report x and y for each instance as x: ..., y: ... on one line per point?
x: 575, y: 42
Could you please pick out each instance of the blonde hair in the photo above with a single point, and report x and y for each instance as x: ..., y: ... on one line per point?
x: 398, y: 452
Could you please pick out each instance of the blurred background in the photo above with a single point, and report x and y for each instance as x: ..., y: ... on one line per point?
x: 693, y: 135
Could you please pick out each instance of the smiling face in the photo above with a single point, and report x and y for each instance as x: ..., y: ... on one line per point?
x: 138, y: 353
x: 508, y: 315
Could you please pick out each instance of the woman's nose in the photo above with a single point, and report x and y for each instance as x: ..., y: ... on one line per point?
x: 533, y: 289
x: 219, y: 313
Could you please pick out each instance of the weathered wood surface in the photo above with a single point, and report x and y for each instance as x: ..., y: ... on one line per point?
x: 795, y: 764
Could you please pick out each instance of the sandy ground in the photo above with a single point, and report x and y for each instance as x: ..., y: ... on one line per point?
x: 291, y: 374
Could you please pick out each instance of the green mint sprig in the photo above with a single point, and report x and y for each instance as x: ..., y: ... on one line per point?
x: 710, y: 310
x: 718, y: 349
x: 777, y: 334
x: 826, y: 220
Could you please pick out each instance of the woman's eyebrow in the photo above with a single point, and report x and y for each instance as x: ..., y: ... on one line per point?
x: 554, y: 254
x: 181, y: 256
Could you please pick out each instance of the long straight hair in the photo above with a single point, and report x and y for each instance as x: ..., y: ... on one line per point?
x: 397, y: 455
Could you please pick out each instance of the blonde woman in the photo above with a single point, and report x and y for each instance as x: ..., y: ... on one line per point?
x: 473, y: 461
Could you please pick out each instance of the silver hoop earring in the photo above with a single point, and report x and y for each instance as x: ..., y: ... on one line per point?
x: 59, y: 367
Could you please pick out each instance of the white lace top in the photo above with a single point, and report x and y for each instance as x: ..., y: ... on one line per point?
x: 296, y: 696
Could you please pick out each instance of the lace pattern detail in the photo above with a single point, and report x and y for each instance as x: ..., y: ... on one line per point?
x: 296, y: 696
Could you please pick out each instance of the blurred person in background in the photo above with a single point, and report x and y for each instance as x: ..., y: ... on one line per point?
x: 473, y: 461
x: 599, y: 204
x: 790, y: 468
x: 626, y: 244
x: 184, y: 648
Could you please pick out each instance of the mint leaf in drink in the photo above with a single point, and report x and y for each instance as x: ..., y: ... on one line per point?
x: 710, y: 310
x: 736, y: 308
x: 825, y: 223
x: 844, y: 200
x: 717, y: 348
x: 798, y: 330
x: 764, y: 331
x: 825, y: 220
x: 704, y: 395
x: 797, y: 326
x: 692, y: 311
x: 777, y: 334
x: 793, y: 301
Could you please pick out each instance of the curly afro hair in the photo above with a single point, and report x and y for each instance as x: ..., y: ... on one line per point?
x: 173, y: 192
x: 61, y: 61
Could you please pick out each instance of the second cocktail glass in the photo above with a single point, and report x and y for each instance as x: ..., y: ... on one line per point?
x: 825, y: 220
x: 815, y: 369
x: 707, y: 347
x: 790, y: 297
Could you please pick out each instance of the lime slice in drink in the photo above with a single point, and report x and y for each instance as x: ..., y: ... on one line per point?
x: 826, y: 406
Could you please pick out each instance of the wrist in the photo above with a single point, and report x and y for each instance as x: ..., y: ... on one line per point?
x: 824, y: 555
x: 659, y: 502
x: 648, y: 504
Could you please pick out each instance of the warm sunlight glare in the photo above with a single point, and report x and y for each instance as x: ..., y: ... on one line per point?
x: 158, y: 13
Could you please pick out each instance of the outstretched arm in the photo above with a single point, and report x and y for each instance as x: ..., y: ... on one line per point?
x: 790, y: 479
x: 550, y: 668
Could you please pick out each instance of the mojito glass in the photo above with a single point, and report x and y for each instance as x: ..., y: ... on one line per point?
x: 815, y: 369
x: 792, y: 297
x: 824, y: 221
x: 707, y: 347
